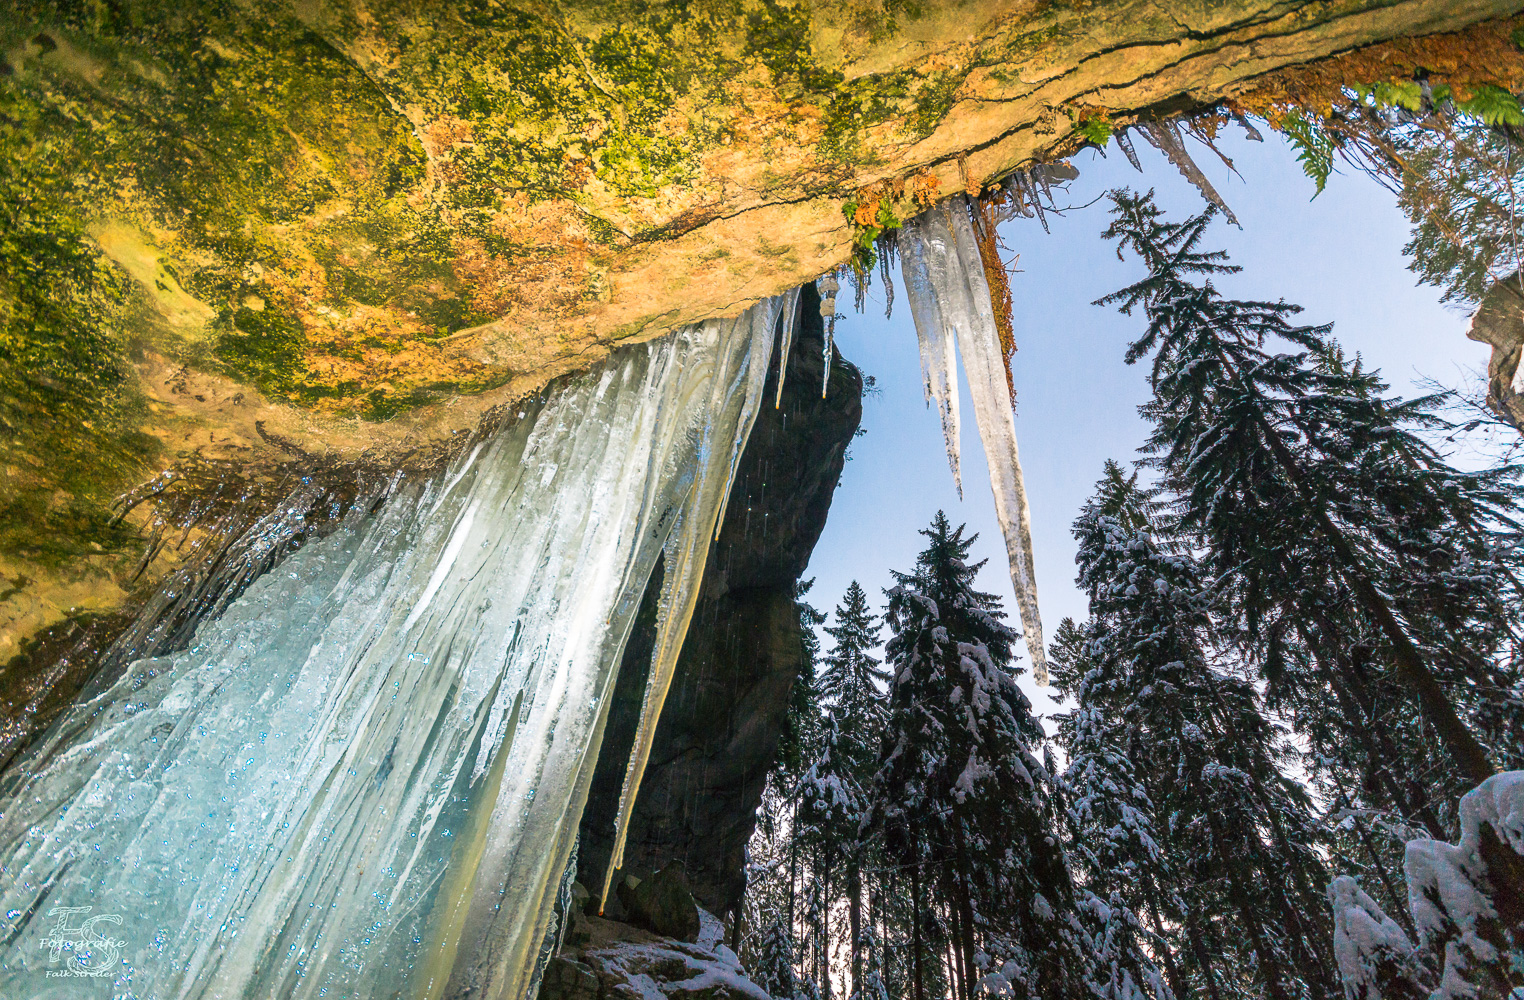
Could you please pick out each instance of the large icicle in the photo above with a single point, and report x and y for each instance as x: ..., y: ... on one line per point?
x: 1165, y: 137
x: 364, y: 777
x: 785, y: 312
x: 719, y: 447
x: 828, y: 287
x: 947, y: 288
x: 939, y: 372
x: 785, y: 344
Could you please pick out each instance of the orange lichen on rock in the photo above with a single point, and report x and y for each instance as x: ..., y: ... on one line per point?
x: 1485, y: 53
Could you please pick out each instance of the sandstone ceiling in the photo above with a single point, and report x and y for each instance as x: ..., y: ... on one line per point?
x: 339, y: 229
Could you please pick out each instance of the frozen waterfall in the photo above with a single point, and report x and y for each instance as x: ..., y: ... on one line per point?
x: 363, y: 779
x: 950, y: 300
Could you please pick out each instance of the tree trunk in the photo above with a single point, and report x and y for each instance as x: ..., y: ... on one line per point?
x: 793, y: 867
x: 954, y: 941
x: 917, y: 904
x: 1269, y: 967
x: 855, y: 922
x: 1460, y: 743
x: 825, y: 928
x: 1171, y: 969
x: 1359, y: 713
x: 965, y: 910
x: 1203, y: 957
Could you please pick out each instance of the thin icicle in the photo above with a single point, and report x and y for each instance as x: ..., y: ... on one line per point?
x: 1124, y: 143
x: 785, y: 342
x: 1165, y: 137
x: 784, y: 310
x: 939, y: 373
x: 828, y: 286
x: 720, y: 441
x: 954, y: 278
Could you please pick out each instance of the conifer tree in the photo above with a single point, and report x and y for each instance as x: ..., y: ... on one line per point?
x: 961, y: 797
x: 1461, y: 179
x: 850, y: 667
x: 1314, y: 499
x: 853, y: 682
x: 801, y: 733
x: 1179, y: 792
x: 773, y: 969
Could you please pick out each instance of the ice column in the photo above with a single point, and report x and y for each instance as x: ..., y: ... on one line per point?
x: 697, y: 522
x: 364, y: 777
x: 949, y: 298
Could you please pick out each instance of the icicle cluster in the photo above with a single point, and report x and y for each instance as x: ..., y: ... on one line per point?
x: 364, y: 777
x: 950, y: 300
x: 710, y: 469
x: 1165, y: 137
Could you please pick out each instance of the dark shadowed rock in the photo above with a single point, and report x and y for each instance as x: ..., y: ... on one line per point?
x: 662, y: 903
x: 568, y: 979
x: 719, y: 728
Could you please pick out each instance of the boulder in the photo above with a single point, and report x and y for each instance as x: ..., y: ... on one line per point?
x: 618, y: 961
x: 568, y: 979
x: 662, y: 903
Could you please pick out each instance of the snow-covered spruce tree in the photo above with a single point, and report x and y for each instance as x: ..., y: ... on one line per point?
x: 802, y: 726
x: 1177, y: 781
x: 831, y: 815
x: 773, y: 965
x: 853, y: 683
x: 779, y: 865
x: 1377, y: 959
x: 1123, y: 870
x: 961, y: 798
x: 1450, y: 570
x: 1321, y: 511
x: 1126, y: 878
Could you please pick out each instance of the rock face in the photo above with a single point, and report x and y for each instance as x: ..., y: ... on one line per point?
x: 719, y: 728
x: 273, y: 235
x: 662, y: 903
x: 1499, y: 322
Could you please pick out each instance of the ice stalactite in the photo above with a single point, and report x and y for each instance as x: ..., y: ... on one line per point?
x: 711, y: 471
x: 1165, y: 137
x: 783, y: 313
x: 828, y: 287
x: 939, y: 371
x: 363, y: 777
x: 950, y: 297
x: 785, y: 344
x: 1124, y: 143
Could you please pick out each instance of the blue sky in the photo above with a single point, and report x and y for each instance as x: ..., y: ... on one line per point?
x: 1339, y: 256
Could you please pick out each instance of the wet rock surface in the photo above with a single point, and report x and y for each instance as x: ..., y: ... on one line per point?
x: 344, y: 231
